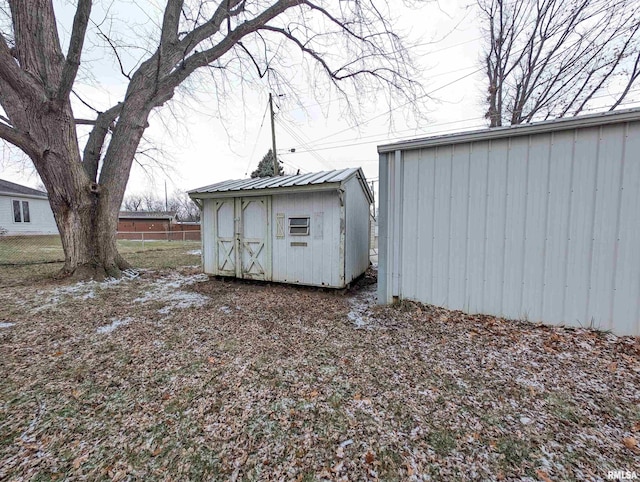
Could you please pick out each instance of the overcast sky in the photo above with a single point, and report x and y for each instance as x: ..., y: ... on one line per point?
x: 203, y: 145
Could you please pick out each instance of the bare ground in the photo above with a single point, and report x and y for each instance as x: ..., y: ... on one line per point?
x: 171, y: 376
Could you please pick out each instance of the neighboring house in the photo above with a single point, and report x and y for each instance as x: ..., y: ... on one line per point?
x: 155, y: 225
x: 537, y: 222
x: 310, y: 229
x: 25, y: 211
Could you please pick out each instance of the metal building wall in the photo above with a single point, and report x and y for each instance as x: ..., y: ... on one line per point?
x: 543, y: 227
x: 320, y: 262
x: 208, y: 236
x: 357, y: 211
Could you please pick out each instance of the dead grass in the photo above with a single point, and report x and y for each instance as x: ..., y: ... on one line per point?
x: 33, y: 250
x: 215, y: 380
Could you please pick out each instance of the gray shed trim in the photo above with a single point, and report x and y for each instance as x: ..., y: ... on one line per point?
x: 261, y: 186
x: 595, y: 120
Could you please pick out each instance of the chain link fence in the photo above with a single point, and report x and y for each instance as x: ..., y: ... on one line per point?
x: 39, y: 249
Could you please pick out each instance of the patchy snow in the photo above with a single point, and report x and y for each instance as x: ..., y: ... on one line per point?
x: 226, y: 310
x: 6, y: 325
x: 83, y: 290
x: 196, y: 252
x: 127, y: 275
x: 115, y: 323
x: 167, y: 290
x: 361, y: 305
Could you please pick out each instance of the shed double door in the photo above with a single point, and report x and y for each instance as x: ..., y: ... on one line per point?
x: 243, y: 237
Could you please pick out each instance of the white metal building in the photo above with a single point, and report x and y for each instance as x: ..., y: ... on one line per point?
x: 25, y: 211
x: 310, y: 229
x: 538, y: 222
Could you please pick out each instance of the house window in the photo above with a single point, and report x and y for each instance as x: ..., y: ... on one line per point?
x: 299, y: 226
x: 21, y: 212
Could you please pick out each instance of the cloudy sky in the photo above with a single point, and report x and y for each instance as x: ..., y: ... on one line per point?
x: 200, y: 143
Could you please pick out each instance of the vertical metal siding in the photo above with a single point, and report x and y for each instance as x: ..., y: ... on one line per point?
x: 208, y: 239
x: 384, y: 257
x: 542, y: 227
x: 357, y: 230
x: 318, y: 263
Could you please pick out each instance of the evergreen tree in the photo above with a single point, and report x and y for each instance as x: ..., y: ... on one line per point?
x: 265, y: 167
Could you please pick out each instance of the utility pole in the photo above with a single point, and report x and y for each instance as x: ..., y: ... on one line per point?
x: 166, y: 198
x: 273, y: 137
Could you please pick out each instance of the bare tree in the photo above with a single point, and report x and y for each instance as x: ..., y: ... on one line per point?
x: 151, y: 203
x: 132, y: 202
x: 551, y: 58
x: 348, y: 43
x: 178, y: 202
x: 184, y: 207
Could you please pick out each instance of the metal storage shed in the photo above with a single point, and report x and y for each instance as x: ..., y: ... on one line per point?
x: 310, y: 229
x: 538, y: 222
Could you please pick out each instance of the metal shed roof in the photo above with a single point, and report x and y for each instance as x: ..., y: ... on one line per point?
x: 315, y: 181
x: 594, y: 120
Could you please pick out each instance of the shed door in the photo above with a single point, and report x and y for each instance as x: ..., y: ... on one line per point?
x: 254, y: 237
x: 225, y: 239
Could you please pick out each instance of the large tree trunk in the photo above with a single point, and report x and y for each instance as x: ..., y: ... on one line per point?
x: 88, y: 233
x: 85, y: 214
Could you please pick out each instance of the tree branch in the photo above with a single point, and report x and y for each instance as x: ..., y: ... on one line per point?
x: 200, y: 59
x: 11, y: 73
x: 93, y: 149
x: 170, y: 22
x: 70, y: 69
x: 19, y: 139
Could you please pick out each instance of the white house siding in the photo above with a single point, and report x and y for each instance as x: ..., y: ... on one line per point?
x: 358, y: 236
x: 318, y: 263
x: 543, y: 227
x: 42, y: 220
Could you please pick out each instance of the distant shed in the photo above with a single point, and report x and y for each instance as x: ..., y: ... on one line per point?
x: 538, y: 222
x: 310, y: 229
x: 155, y: 225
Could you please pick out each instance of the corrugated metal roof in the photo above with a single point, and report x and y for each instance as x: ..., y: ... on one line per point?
x: 627, y: 115
x: 315, y: 178
x: 13, y: 188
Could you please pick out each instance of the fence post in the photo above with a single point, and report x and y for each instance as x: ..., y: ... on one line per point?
x: 142, y: 240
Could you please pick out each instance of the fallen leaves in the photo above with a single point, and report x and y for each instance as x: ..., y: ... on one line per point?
x: 542, y: 475
x: 369, y: 457
x: 284, y: 385
x: 630, y: 442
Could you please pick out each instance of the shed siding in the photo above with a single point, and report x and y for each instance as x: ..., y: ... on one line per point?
x: 42, y: 220
x: 543, y: 227
x: 208, y: 238
x: 317, y: 263
x: 357, y: 230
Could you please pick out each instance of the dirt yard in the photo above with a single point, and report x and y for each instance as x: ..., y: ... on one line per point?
x: 171, y: 376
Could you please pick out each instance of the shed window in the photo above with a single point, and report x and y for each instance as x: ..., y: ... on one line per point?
x: 299, y: 226
x: 21, y: 212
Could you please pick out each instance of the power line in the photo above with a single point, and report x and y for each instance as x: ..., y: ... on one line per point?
x: 398, y: 107
x: 304, y: 106
x: 257, y: 139
x: 383, y: 137
x: 292, y: 133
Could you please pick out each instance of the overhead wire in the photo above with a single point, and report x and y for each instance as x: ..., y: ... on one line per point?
x: 382, y: 137
x: 255, y: 144
x: 298, y: 137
